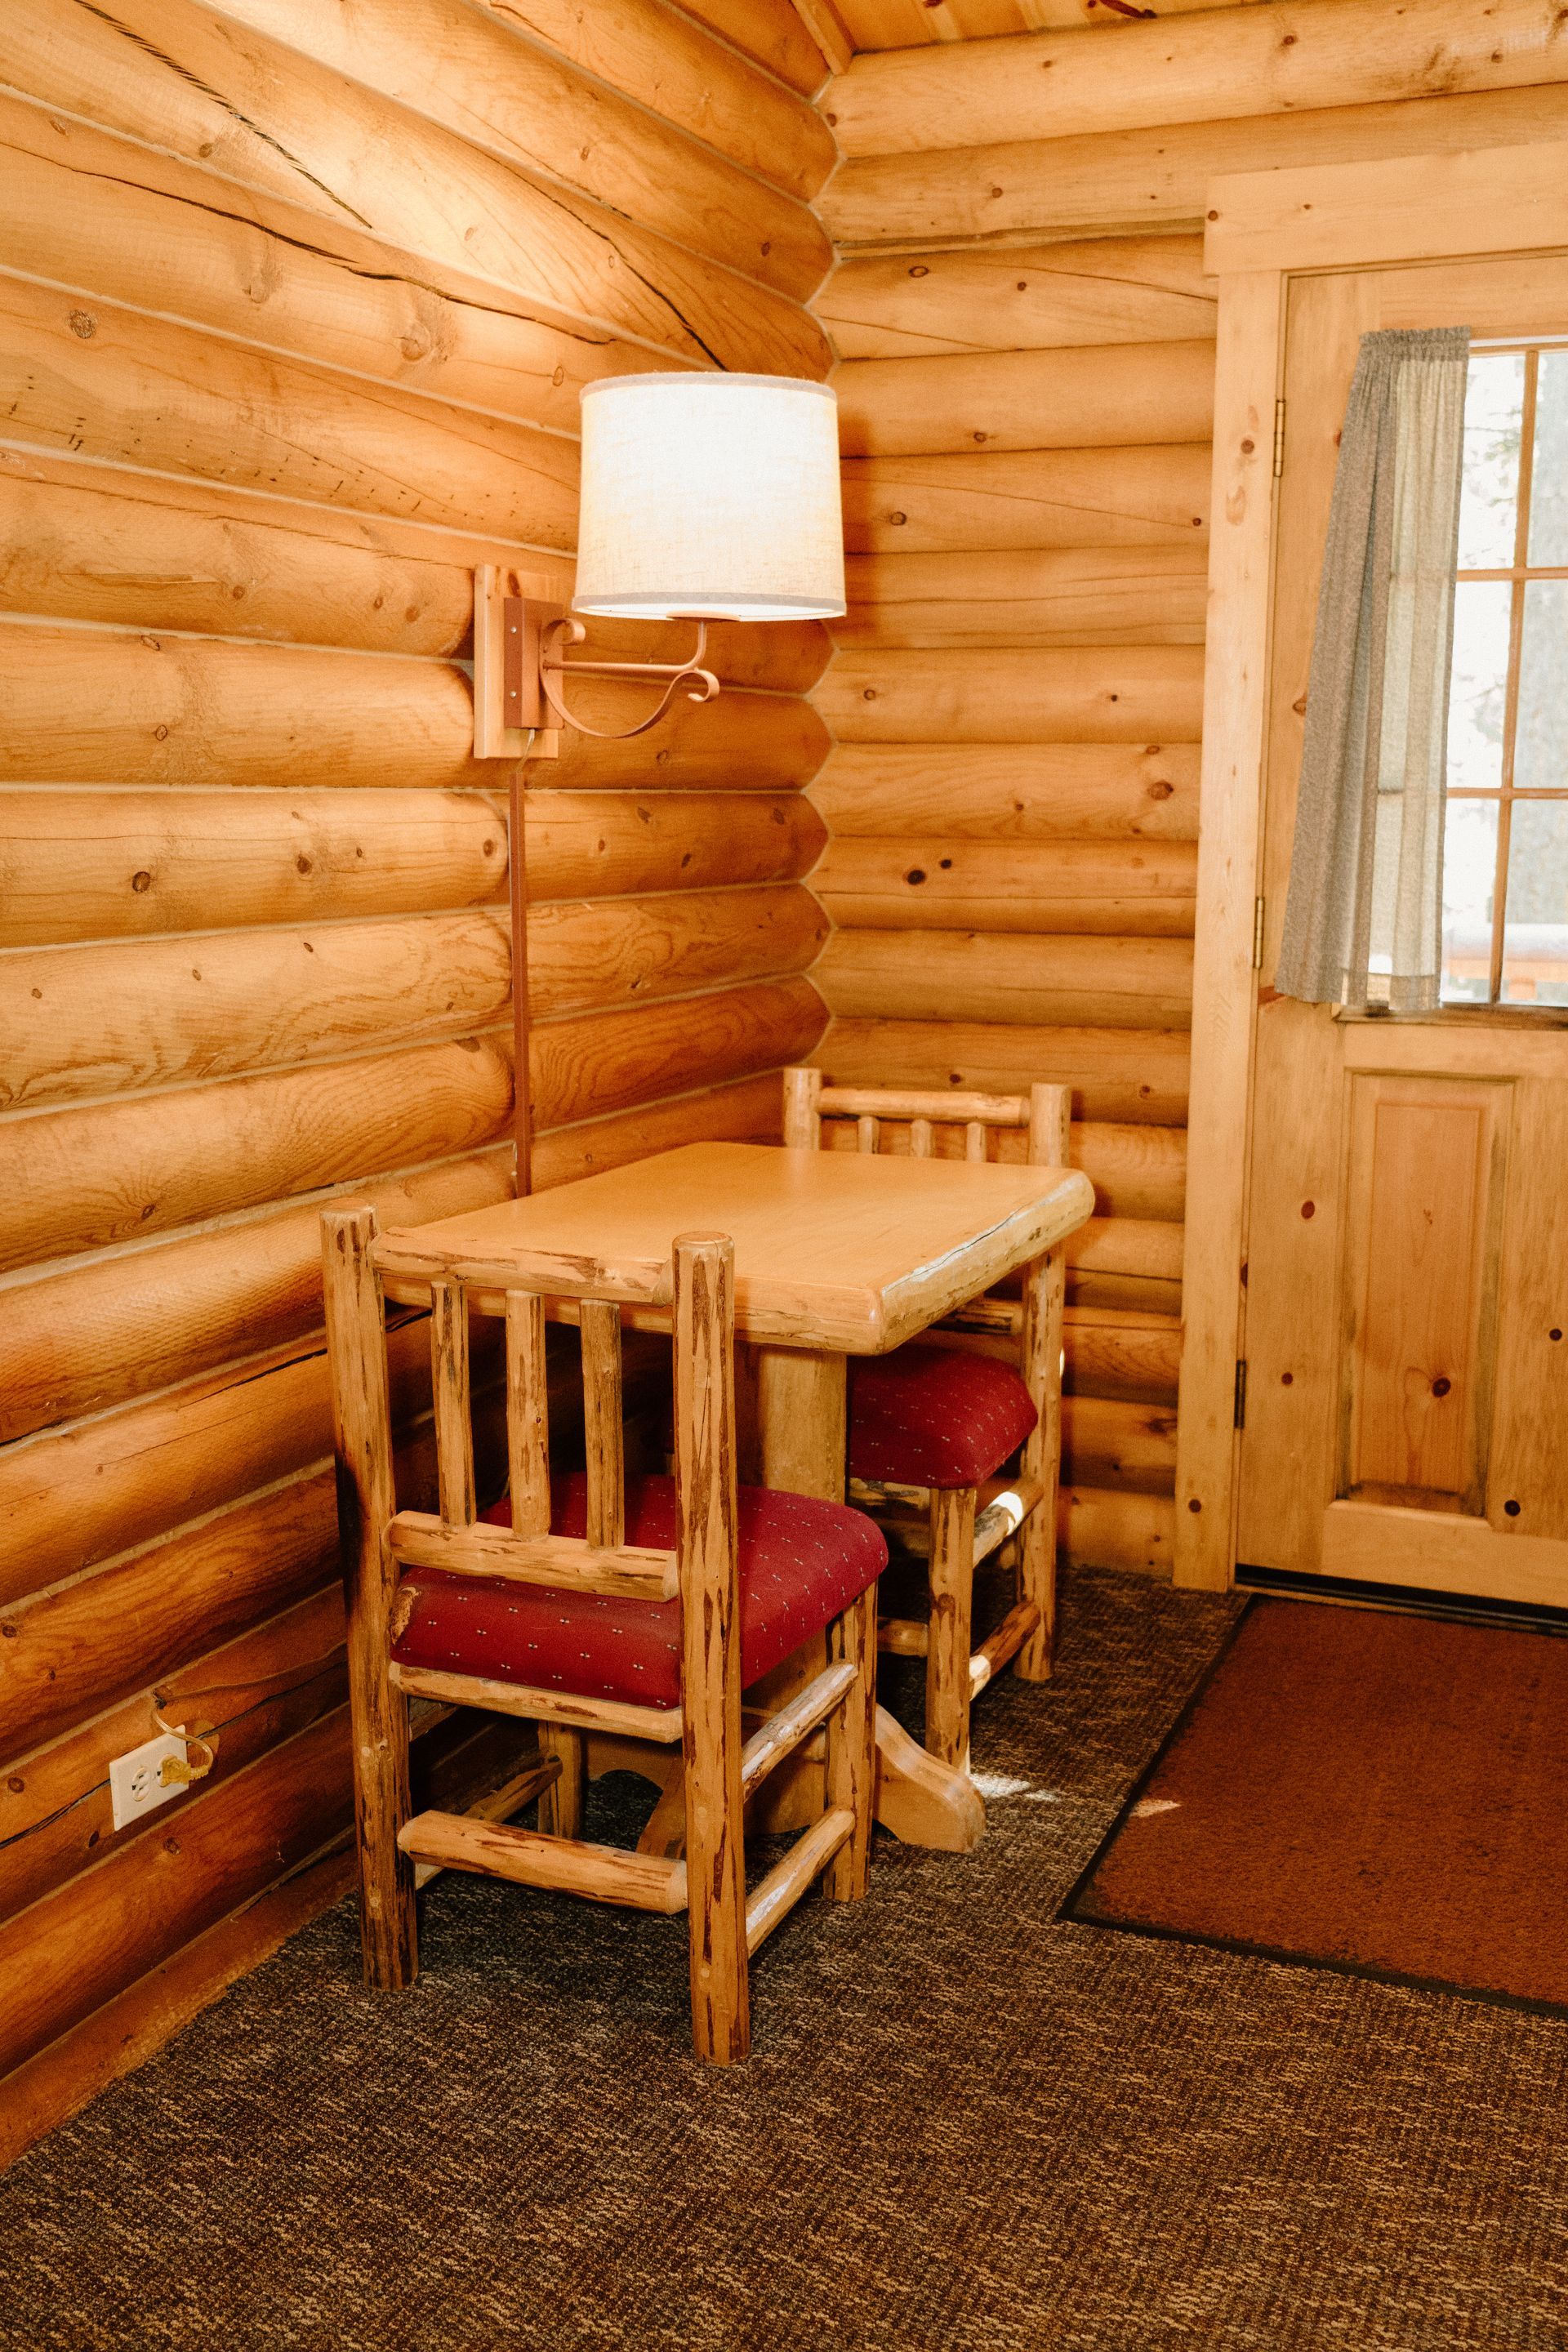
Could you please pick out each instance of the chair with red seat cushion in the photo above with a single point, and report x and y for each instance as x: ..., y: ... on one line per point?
x: 801, y: 1564
x: 929, y: 1416
x: 945, y: 1419
x: 634, y: 1610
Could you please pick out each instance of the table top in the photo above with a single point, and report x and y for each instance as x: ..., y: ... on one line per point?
x: 834, y: 1250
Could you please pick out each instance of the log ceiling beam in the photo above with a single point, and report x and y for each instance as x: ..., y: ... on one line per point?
x: 1213, y: 66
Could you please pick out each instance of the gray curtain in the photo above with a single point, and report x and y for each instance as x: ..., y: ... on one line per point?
x: 1363, y: 919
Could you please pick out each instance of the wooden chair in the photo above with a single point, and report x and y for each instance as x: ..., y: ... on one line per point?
x: 930, y: 1426
x: 627, y: 1607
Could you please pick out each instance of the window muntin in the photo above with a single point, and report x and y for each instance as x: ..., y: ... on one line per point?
x: 1505, y: 895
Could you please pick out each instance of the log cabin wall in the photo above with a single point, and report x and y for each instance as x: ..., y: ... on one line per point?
x: 1025, y: 338
x: 295, y: 322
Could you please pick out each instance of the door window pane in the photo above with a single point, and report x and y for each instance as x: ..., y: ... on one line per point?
x: 1494, y: 410
x: 1549, y: 486
x: 1541, y: 739
x: 1477, y: 697
x: 1469, y: 877
x: 1535, y: 934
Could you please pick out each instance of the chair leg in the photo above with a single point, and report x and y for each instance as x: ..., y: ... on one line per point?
x: 851, y: 1746
x: 1041, y: 1365
x: 561, y: 1805
x: 948, y: 1644
x: 716, y: 1885
x: 362, y: 1432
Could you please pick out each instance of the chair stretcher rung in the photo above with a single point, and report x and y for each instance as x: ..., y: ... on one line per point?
x: 605, y: 1874
x: 785, y: 1885
x: 780, y: 1734
x: 499, y: 1804
x: 1005, y: 1642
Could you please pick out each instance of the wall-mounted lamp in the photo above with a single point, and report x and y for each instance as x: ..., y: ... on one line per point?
x: 704, y: 498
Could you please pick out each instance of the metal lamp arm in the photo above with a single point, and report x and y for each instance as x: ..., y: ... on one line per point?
x: 702, y: 687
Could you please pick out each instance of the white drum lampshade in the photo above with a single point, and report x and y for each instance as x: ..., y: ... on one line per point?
x: 710, y: 497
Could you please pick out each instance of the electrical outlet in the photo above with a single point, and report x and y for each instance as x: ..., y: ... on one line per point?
x: 135, y: 1781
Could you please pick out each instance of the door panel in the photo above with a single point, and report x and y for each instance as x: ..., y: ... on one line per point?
x: 1423, y: 1218
x: 1406, y: 1281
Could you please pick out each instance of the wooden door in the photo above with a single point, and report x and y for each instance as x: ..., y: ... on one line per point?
x: 1403, y: 1396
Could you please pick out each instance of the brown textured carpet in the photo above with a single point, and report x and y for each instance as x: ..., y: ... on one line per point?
x: 969, y: 2127
x: 1366, y: 1789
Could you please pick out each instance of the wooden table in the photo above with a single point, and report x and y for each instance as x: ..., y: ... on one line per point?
x: 837, y: 1254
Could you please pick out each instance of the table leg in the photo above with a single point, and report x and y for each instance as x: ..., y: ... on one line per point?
x: 800, y: 1435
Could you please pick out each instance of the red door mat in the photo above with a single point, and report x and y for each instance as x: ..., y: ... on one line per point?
x: 1351, y: 1789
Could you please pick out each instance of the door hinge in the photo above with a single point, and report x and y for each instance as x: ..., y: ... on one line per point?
x: 1241, y: 1392
x: 1280, y: 437
x: 1257, y: 907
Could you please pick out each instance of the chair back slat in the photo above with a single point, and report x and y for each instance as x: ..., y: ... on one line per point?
x: 975, y: 1139
x: 527, y: 1414
x: 920, y: 1133
x: 453, y: 1419
x: 602, y: 1429
x: 816, y: 1115
x: 866, y: 1134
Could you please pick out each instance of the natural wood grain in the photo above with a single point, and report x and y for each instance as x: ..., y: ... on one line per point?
x: 1141, y: 695
x: 1096, y: 398
x: 176, y: 76
x: 363, y: 1451
x: 655, y: 56
x: 524, y: 104
x: 949, y: 1569
x: 86, y: 1177
x: 1077, y: 981
x: 1200, y: 69
x: 602, y: 1873
x: 1134, y: 889
x: 1083, y: 186
x: 1223, y: 989
x: 745, y: 1111
x: 705, y: 1441
x: 103, y: 1020
x: 777, y: 1894
x: 612, y: 845
x: 597, y: 1062
x: 850, y: 1773
x: 528, y: 1431
x: 1154, y: 497
x: 743, y: 742
x: 849, y: 1255
x: 106, y: 864
x: 87, y: 705
x: 1127, y: 289
x: 99, y: 1334
x: 772, y: 32
x: 1040, y: 1366
x: 1123, y: 1075
x: 549, y: 1708
x: 584, y: 958
x: 1019, y: 795
x: 128, y: 388
x: 1062, y: 596
x: 453, y: 1408
x: 121, y: 220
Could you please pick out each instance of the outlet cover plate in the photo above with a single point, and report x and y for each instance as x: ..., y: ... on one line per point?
x: 135, y: 1785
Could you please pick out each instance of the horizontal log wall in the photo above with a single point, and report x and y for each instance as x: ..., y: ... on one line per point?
x: 1012, y: 798
x: 1024, y: 333
x: 292, y: 332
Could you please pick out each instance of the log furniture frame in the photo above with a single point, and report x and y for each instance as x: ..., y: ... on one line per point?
x: 719, y: 1773
x: 835, y: 1255
x: 965, y: 1524
x: 1263, y: 229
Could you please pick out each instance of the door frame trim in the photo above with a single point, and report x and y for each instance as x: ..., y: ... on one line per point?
x: 1262, y: 229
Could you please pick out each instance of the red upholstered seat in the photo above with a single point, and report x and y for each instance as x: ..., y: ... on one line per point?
x: 935, y: 1416
x: 800, y: 1563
